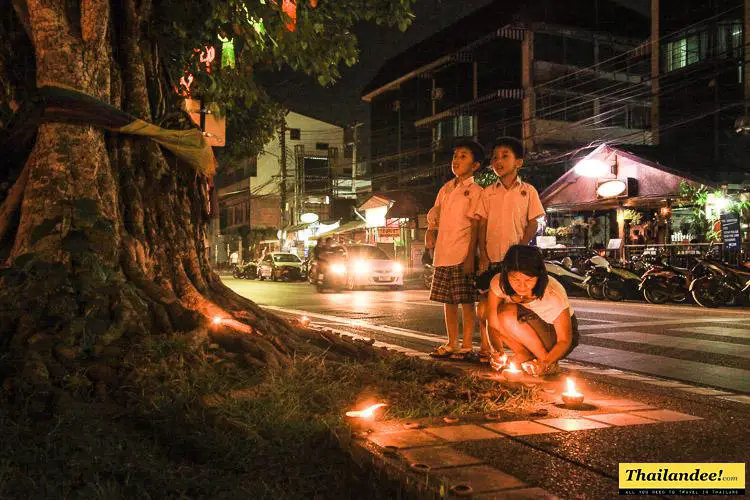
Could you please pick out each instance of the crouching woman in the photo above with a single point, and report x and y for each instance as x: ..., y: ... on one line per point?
x: 529, y: 312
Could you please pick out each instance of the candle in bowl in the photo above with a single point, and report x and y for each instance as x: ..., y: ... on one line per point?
x: 512, y: 373
x: 361, y: 419
x: 572, y: 397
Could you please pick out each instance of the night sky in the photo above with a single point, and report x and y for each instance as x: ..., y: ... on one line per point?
x: 341, y: 103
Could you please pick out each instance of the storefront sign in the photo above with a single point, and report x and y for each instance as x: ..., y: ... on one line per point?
x: 730, y: 231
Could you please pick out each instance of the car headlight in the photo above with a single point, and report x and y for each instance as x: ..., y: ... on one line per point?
x: 338, y: 268
x: 397, y: 268
x: 361, y: 267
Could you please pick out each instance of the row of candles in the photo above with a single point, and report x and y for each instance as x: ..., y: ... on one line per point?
x: 571, y: 398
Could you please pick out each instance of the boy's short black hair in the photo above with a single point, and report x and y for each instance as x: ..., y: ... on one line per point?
x: 529, y: 261
x: 511, y: 143
x: 477, y: 151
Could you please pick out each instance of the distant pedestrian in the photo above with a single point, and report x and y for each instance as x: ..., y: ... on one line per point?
x: 234, y: 258
x: 509, y: 212
x: 453, y: 228
x: 530, y: 312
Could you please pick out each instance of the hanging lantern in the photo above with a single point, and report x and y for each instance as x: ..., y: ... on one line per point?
x: 289, y: 7
x: 227, y: 52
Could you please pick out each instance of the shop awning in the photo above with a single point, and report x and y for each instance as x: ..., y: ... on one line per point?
x: 344, y: 228
x: 297, y: 227
x: 652, y: 182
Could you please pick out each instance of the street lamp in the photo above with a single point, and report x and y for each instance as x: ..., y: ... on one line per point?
x: 591, y: 167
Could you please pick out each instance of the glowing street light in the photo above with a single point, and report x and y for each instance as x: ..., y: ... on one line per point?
x: 591, y: 167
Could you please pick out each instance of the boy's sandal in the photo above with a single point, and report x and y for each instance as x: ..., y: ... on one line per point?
x: 463, y: 354
x: 444, y: 351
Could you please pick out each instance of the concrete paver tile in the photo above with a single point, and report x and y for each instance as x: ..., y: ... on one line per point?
x: 572, y: 424
x: 521, y: 494
x: 520, y: 428
x: 468, y: 432
x: 481, y: 478
x: 706, y: 391
x: 404, y: 439
x: 439, y: 456
x: 620, y: 404
x: 738, y: 399
x: 666, y: 415
x: 621, y: 419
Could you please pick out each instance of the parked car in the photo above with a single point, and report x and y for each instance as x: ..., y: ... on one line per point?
x: 280, y: 266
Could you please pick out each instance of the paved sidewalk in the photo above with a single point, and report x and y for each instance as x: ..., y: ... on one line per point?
x: 553, y: 451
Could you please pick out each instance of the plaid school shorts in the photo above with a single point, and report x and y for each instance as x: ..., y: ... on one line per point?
x: 451, y: 286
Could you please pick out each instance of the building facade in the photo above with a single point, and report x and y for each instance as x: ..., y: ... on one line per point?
x: 553, y: 75
x: 300, y: 171
x: 703, y: 87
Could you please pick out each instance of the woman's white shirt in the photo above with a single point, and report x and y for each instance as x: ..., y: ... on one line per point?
x: 553, y: 302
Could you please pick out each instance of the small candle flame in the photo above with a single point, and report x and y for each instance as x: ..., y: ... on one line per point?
x: 217, y: 320
x: 304, y: 320
x: 366, y: 413
x: 512, y: 368
x: 571, y: 388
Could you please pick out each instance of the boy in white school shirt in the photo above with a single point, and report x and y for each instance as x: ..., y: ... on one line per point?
x: 455, y: 218
x: 508, y: 212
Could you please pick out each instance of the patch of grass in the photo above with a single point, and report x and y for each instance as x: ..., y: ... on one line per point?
x: 159, y: 441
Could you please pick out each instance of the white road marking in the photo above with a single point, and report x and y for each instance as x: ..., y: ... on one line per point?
x: 662, y: 323
x: 724, y: 348
x: 720, y: 331
x: 363, y: 324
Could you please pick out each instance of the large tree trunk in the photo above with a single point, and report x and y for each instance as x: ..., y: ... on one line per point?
x: 111, y: 238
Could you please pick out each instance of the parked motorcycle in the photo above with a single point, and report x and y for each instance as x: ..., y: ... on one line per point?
x: 563, y: 272
x: 596, y: 275
x: 247, y: 271
x: 663, y: 282
x: 720, y: 284
x: 623, y: 282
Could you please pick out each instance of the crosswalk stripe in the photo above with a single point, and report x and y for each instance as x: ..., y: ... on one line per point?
x: 719, y: 331
x: 676, y: 321
x: 700, y: 373
x: 716, y: 347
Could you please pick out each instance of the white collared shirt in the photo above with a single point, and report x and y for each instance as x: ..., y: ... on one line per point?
x: 508, y: 212
x: 553, y: 302
x: 456, y: 206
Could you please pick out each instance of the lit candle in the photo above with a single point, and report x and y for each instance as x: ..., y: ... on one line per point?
x: 304, y: 320
x: 512, y: 373
x: 367, y: 413
x: 572, y: 397
x: 217, y: 320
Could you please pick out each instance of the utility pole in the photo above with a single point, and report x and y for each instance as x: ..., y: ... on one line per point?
x: 282, y: 162
x: 746, y: 51
x: 655, y: 73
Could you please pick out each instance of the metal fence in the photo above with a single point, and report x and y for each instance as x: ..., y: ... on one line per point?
x: 677, y: 254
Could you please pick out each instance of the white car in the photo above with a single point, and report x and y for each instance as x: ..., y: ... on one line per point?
x: 280, y: 266
x: 369, y: 266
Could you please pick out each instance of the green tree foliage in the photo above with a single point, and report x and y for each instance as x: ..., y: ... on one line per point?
x: 322, y: 40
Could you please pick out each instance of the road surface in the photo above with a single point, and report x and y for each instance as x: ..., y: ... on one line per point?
x: 708, y: 347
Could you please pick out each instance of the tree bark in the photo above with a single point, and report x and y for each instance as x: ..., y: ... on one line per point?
x: 111, y: 241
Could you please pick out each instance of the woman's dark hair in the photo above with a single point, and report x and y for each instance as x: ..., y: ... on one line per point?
x: 529, y: 261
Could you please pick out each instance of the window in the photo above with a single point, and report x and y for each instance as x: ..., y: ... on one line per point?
x: 459, y: 126
x: 321, y: 145
x: 295, y: 134
x: 285, y: 257
x: 251, y: 167
x: 686, y: 51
